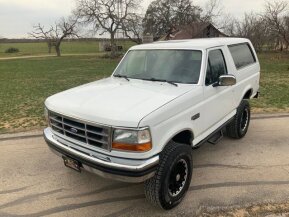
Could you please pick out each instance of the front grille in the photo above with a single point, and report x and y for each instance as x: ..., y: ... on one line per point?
x: 94, y: 135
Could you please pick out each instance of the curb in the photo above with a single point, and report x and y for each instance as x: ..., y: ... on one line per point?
x: 269, y: 116
x: 22, y: 135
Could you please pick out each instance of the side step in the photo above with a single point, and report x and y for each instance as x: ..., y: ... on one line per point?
x: 216, y: 137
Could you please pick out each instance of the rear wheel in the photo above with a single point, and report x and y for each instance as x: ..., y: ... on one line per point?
x: 173, y: 177
x: 239, y: 125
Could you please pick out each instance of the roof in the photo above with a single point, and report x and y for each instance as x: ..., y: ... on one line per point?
x: 193, y: 30
x: 199, y: 44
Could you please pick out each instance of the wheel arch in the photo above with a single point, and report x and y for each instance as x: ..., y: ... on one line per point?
x: 248, y: 94
x: 184, y: 136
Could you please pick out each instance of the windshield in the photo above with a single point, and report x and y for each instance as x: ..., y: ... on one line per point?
x: 179, y: 66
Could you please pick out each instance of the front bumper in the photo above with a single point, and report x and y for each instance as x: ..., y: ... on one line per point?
x: 126, y: 170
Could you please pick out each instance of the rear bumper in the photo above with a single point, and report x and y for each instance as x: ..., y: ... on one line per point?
x: 126, y: 170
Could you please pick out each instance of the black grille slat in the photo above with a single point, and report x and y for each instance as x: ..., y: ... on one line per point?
x: 96, y: 136
x: 57, y: 129
x: 97, y: 140
x: 74, y: 136
x: 56, y: 120
x: 74, y: 123
x: 97, y: 129
x: 94, y: 143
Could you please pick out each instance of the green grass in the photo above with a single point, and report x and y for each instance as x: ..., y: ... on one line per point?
x: 274, y: 83
x: 73, y: 47
x: 26, y: 83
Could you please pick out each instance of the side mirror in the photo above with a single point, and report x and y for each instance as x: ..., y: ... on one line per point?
x: 226, y: 80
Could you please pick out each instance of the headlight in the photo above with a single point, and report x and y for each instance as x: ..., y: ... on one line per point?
x: 132, y: 140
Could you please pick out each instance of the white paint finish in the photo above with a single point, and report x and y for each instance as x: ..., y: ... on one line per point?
x: 218, y: 101
x: 191, y: 44
x: 115, y: 101
x: 163, y: 107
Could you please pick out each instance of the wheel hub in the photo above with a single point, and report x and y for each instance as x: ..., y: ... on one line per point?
x: 178, y: 177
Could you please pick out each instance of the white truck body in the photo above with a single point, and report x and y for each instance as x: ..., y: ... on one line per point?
x: 166, y: 110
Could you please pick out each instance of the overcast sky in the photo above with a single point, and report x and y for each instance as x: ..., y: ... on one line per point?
x: 17, y: 17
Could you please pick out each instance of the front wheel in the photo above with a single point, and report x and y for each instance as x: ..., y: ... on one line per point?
x: 240, y: 124
x: 173, y: 177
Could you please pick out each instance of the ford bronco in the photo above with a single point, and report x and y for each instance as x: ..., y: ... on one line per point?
x: 162, y: 100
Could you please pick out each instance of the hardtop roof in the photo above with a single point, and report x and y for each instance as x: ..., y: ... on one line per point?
x: 200, y: 44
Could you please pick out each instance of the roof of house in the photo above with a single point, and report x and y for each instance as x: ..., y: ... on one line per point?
x: 189, y: 44
x: 190, y: 31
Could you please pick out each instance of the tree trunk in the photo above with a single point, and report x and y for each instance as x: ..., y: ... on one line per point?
x: 113, y: 46
x: 57, y: 48
x: 49, y: 44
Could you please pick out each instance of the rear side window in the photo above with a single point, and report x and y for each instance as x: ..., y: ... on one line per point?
x: 242, y: 55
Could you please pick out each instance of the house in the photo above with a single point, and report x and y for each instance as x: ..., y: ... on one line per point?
x: 193, y: 30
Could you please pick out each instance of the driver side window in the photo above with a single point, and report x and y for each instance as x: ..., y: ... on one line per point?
x: 216, y: 66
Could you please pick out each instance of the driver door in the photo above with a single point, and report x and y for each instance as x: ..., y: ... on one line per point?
x: 218, y: 99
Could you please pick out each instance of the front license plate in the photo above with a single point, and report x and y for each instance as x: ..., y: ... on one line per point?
x: 71, y: 163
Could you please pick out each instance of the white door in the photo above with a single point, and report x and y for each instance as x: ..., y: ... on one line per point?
x: 218, y: 100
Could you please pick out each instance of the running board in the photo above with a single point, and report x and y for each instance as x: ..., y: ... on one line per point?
x: 216, y: 137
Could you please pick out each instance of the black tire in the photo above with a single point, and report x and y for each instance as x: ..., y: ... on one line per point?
x: 173, y: 177
x: 238, y: 128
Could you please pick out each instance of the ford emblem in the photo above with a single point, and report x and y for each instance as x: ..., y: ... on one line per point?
x: 73, y: 130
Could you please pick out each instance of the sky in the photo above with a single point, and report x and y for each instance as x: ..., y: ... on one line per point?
x: 17, y: 17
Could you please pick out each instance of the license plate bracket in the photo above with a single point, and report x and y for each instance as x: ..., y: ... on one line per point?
x: 71, y: 163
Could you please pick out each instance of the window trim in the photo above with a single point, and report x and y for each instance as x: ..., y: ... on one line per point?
x: 209, y: 64
x: 251, y: 50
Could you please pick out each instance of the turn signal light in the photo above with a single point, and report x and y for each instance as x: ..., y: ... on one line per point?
x: 132, y: 147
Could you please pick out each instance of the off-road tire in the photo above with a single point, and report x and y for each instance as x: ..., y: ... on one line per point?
x: 157, y: 189
x: 238, y: 127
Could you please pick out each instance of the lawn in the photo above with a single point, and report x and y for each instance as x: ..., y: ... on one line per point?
x: 24, y: 85
x: 73, y: 47
x: 274, y: 83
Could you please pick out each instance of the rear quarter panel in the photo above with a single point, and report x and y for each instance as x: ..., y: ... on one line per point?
x: 248, y: 77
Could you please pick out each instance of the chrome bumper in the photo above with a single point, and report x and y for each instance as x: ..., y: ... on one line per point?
x: 126, y: 170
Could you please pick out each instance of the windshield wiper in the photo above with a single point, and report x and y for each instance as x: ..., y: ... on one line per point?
x: 163, y: 80
x: 121, y: 76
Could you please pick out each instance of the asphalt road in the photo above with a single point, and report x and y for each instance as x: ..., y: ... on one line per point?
x: 34, y: 182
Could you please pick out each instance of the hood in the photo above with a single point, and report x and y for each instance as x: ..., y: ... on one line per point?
x: 115, y: 101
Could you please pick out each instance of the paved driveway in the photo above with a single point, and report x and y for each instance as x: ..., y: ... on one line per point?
x: 34, y: 182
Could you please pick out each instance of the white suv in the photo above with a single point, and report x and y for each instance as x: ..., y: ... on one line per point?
x: 140, y: 124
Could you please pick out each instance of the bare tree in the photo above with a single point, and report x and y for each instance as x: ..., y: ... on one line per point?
x: 40, y: 33
x: 254, y: 28
x: 228, y: 24
x: 276, y: 17
x: 105, y: 16
x: 54, y: 36
x: 211, y: 11
x: 133, y: 29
